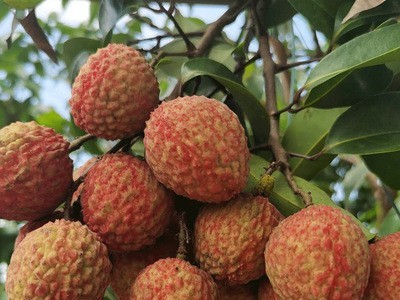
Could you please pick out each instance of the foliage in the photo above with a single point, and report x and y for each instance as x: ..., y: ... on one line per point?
x: 337, y: 102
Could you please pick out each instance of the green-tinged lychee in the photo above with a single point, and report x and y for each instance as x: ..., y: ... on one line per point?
x: 318, y: 253
x: 384, y: 280
x: 229, y: 238
x: 197, y: 147
x: 265, y: 291
x: 60, y: 260
x: 114, y: 93
x: 127, y: 265
x: 35, y: 171
x: 22, y: 4
x: 124, y: 203
x: 237, y: 292
x: 174, y: 278
x: 265, y: 185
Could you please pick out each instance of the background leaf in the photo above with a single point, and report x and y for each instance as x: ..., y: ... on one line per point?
x: 369, y: 127
x: 386, y: 166
x: 374, y: 48
x: 306, y: 135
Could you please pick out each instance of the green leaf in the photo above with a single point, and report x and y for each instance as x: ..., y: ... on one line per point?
x: 8, y: 234
x: 53, y: 120
x: 306, y: 135
x: 374, y: 48
x: 76, y: 46
x: 349, y: 88
x: 320, y: 13
x: 257, y: 168
x: 279, y: 11
x: 369, y: 127
x: 391, y: 223
x: 110, y: 12
x: 388, y: 9
x: 254, y: 111
x: 386, y: 166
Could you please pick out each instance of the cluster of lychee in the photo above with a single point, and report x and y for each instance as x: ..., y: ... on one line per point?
x: 195, y: 149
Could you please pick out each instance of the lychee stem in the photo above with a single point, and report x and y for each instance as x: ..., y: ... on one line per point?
x: 183, y: 237
x: 269, y: 69
x: 76, y: 144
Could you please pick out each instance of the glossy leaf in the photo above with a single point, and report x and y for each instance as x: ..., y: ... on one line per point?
x: 360, y: 6
x: 277, y: 12
x: 369, y: 127
x: 249, y: 104
x: 391, y: 222
x: 306, y: 135
x: 386, y: 166
x: 73, y: 47
x: 374, y: 48
x: 349, y: 88
x: 53, y: 120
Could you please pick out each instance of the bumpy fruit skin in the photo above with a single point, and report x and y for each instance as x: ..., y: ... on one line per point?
x: 35, y: 171
x: 318, y: 253
x: 127, y: 265
x: 196, y: 146
x: 173, y: 278
x: 124, y: 203
x: 265, y: 291
x: 229, y: 238
x: 114, y: 93
x: 384, y: 280
x: 22, y: 4
x: 60, y: 260
x: 237, y: 292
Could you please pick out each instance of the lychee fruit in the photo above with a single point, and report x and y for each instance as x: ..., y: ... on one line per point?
x: 197, y: 147
x: 265, y: 291
x: 318, y: 253
x: 127, y: 265
x: 124, y: 203
x: 60, y: 260
x: 22, y: 4
x: 229, y: 238
x: 114, y: 93
x: 237, y: 292
x: 174, y: 278
x: 35, y: 171
x: 384, y: 280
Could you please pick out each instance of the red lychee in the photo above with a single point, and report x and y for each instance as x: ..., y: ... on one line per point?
x: 114, y: 93
x: 124, y: 203
x: 384, y: 280
x: 196, y: 146
x: 60, y: 260
x: 174, y: 278
x: 35, y: 171
x: 229, y: 238
x: 318, y: 253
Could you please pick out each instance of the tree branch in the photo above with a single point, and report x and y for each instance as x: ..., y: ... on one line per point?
x: 274, y: 139
x: 76, y: 144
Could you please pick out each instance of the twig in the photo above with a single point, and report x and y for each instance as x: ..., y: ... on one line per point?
x: 306, y: 157
x: 289, y: 108
x: 274, y: 138
x: 169, y: 12
x: 76, y: 144
x: 121, y: 144
x: 216, y: 28
x: 164, y: 36
x: 281, y: 68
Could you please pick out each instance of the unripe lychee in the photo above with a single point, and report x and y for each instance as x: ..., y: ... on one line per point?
x: 265, y: 185
x: 22, y: 4
x: 196, y: 146
x: 237, y: 292
x: 174, y: 278
x: 35, y: 169
x: 60, y: 260
x: 265, y: 291
x: 229, y: 238
x: 114, y: 93
x: 128, y: 265
x: 318, y: 253
x: 124, y: 203
x: 384, y: 280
